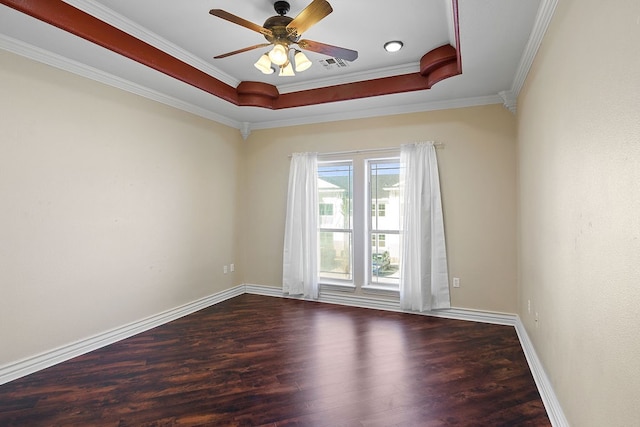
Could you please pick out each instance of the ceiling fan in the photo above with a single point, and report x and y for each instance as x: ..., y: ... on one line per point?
x: 282, y: 31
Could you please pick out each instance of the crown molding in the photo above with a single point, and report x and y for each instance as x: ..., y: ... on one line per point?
x: 541, y: 23
x: 380, y: 111
x: 245, y: 130
x: 112, y: 18
x: 80, y: 22
x: 509, y: 99
x: 63, y: 63
x: 46, y: 57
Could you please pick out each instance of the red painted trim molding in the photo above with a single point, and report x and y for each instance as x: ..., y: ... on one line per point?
x: 435, y: 66
x: 256, y: 94
x: 81, y: 24
x: 355, y: 90
x: 437, y: 58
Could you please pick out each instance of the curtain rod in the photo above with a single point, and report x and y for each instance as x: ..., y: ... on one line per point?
x: 367, y: 150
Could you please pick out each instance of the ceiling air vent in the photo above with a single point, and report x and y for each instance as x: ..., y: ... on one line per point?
x: 333, y: 63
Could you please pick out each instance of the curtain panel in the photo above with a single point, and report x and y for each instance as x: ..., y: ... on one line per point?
x: 300, y: 257
x: 424, y: 278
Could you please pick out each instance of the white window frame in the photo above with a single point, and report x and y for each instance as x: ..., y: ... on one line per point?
x: 361, y: 211
x: 369, y: 284
x: 329, y: 282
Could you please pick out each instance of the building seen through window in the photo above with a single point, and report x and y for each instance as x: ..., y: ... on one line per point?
x: 377, y: 227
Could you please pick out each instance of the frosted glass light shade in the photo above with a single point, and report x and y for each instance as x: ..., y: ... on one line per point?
x: 264, y: 64
x: 302, y: 62
x: 287, y: 70
x: 278, y: 54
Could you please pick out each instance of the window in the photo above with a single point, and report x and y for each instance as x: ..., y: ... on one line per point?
x: 384, y: 224
x: 335, y: 183
x: 359, y: 232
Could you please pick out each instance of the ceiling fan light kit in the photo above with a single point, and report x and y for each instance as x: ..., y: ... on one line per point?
x: 264, y: 64
x: 282, y: 31
x: 301, y: 60
x: 278, y: 55
x: 286, y: 70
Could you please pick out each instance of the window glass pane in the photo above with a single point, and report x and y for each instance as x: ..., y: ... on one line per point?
x: 384, y: 190
x: 385, y: 260
x: 335, y: 183
x: 335, y: 199
x: 335, y: 255
x: 384, y: 228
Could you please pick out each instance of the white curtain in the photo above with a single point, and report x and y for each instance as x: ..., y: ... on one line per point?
x: 300, y: 262
x: 424, y: 278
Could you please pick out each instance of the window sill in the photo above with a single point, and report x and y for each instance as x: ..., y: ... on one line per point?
x: 326, y: 285
x: 381, y: 290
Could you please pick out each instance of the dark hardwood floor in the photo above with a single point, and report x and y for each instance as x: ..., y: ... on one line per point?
x: 256, y: 360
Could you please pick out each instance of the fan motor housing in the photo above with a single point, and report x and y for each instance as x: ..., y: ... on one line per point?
x: 278, y: 25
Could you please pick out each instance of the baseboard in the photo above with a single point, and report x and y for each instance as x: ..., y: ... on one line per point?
x: 549, y: 398
x: 44, y: 360
x: 551, y: 403
x: 390, y: 304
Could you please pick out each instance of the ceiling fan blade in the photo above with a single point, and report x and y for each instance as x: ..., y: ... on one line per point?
x: 310, y: 15
x: 246, y: 49
x: 327, y: 49
x: 240, y: 21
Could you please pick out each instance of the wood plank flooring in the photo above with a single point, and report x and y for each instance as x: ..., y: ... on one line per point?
x: 256, y: 360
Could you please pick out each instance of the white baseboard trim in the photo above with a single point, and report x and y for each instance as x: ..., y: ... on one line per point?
x: 549, y: 398
x: 390, y: 304
x: 44, y: 360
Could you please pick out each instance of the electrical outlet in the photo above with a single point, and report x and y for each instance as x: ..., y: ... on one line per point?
x: 232, y: 267
x: 225, y: 269
x: 456, y: 282
x: 529, y: 306
x: 536, y: 319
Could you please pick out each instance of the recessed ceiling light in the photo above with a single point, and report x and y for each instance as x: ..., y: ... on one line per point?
x: 393, y: 46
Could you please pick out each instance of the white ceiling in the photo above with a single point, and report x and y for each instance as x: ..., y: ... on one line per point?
x: 498, y: 39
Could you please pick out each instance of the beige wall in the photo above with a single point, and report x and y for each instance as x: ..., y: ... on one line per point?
x: 478, y: 180
x: 579, y: 163
x: 112, y: 207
